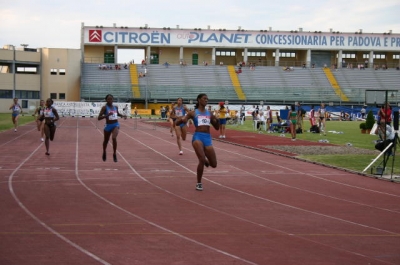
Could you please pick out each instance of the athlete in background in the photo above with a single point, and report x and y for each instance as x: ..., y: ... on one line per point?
x: 16, y: 111
x: 39, y: 121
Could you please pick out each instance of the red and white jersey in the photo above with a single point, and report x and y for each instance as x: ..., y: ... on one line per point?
x: 312, y: 113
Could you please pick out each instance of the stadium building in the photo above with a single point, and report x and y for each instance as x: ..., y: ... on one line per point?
x: 241, y: 66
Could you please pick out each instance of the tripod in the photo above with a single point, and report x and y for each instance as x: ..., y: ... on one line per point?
x: 389, y: 151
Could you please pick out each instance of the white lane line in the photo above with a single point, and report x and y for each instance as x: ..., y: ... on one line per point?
x: 11, y: 189
x: 261, y: 198
x: 141, y: 218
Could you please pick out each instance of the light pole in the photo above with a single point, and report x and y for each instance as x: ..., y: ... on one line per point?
x: 145, y: 96
x: 13, y: 70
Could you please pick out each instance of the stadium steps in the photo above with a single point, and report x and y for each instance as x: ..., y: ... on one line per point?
x: 335, y: 84
x: 236, y: 82
x: 134, y: 81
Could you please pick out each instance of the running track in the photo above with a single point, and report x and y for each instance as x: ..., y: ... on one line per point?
x: 256, y: 207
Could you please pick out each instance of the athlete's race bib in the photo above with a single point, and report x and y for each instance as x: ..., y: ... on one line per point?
x: 203, y: 120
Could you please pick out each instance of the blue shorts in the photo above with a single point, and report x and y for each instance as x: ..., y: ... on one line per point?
x: 110, y: 127
x: 222, y: 121
x: 205, y: 138
x: 14, y: 114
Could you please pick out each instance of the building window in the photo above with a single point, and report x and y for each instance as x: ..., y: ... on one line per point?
x: 26, y: 70
x: 376, y: 56
x: 62, y: 71
x: 24, y: 104
x: 285, y: 54
x: 255, y: 54
x: 61, y: 95
x: 379, y: 56
x: 225, y: 53
x: 4, y: 69
x: 396, y: 56
x: 53, y: 95
x: 348, y: 56
x: 53, y: 71
x: 6, y: 93
x: 27, y: 94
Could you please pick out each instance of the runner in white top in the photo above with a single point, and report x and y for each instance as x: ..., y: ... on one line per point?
x: 16, y: 111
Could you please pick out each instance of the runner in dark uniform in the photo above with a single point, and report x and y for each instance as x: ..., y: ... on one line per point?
x: 50, y: 116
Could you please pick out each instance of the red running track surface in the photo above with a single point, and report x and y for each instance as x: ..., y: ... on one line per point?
x: 256, y: 207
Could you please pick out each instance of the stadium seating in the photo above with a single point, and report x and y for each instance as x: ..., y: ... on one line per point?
x: 265, y: 83
x: 96, y: 83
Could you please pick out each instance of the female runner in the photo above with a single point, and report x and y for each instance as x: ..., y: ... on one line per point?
x: 111, y: 114
x: 201, y: 141
x: 50, y: 116
x: 171, y: 119
x: 180, y: 111
x: 16, y: 111
x: 39, y: 122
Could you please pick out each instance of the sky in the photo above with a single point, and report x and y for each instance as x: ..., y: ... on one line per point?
x: 57, y: 24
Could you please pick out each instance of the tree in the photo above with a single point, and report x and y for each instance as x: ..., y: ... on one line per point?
x: 370, y: 121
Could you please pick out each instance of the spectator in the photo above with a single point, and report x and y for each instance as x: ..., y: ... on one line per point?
x: 322, y: 118
x: 162, y: 111
x: 386, y: 135
x: 269, y: 118
x: 386, y: 114
x: 312, y: 116
x: 243, y: 112
x: 300, y: 115
x: 222, y: 113
x: 363, y: 112
x: 292, y: 116
x: 261, y: 121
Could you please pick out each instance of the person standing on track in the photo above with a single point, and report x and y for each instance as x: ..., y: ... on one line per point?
x: 222, y: 112
x: 50, y: 116
x: 39, y: 121
x: 201, y: 141
x: 16, y: 111
x: 180, y: 111
x: 111, y: 114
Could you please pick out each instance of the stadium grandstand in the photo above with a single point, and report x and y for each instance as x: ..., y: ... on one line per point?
x: 241, y: 66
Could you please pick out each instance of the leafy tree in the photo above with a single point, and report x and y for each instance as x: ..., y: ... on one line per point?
x: 370, y: 121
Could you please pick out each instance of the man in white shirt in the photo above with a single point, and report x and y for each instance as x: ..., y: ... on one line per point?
x: 387, y: 136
